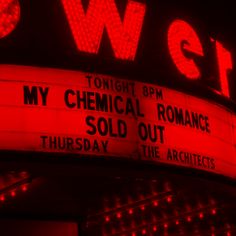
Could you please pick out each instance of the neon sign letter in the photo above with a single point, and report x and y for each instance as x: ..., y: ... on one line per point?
x: 87, y: 28
x: 182, y: 36
x: 224, y: 64
x: 9, y: 16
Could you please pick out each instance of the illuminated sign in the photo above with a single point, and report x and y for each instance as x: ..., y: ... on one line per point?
x: 119, y: 28
x: 87, y: 29
x: 180, y: 32
x: 9, y: 16
x: 50, y: 110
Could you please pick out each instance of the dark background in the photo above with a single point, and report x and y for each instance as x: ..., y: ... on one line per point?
x: 43, y: 38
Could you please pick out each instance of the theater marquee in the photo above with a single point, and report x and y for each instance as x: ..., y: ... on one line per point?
x: 51, y: 110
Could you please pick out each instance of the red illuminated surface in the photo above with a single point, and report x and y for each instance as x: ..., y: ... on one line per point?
x: 182, y: 37
x: 9, y: 16
x: 182, y: 144
x: 225, y: 65
x: 87, y: 28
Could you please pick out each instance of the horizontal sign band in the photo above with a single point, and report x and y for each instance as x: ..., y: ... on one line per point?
x: 51, y: 110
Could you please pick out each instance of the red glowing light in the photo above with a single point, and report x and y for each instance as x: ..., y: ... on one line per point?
x: 225, y: 64
x: 144, y: 231
x: 189, y: 219
x: 182, y: 36
x: 154, y: 228
x: 107, y: 218
x: 24, y: 188
x: 169, y: 199
x: 130, y: 211
x: 133, y: 234
x: 119, y: 215
x: 2, y: 198
x: 9, y: 16
x: 177, y: 222
x: 13, y: 193
x: 228, y: 234
x: 142, y: 208
x: 165, y: 225
x: 201, y: 215
x: 87, y: 28
x: 155, y: 203
x: 213, y: 211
